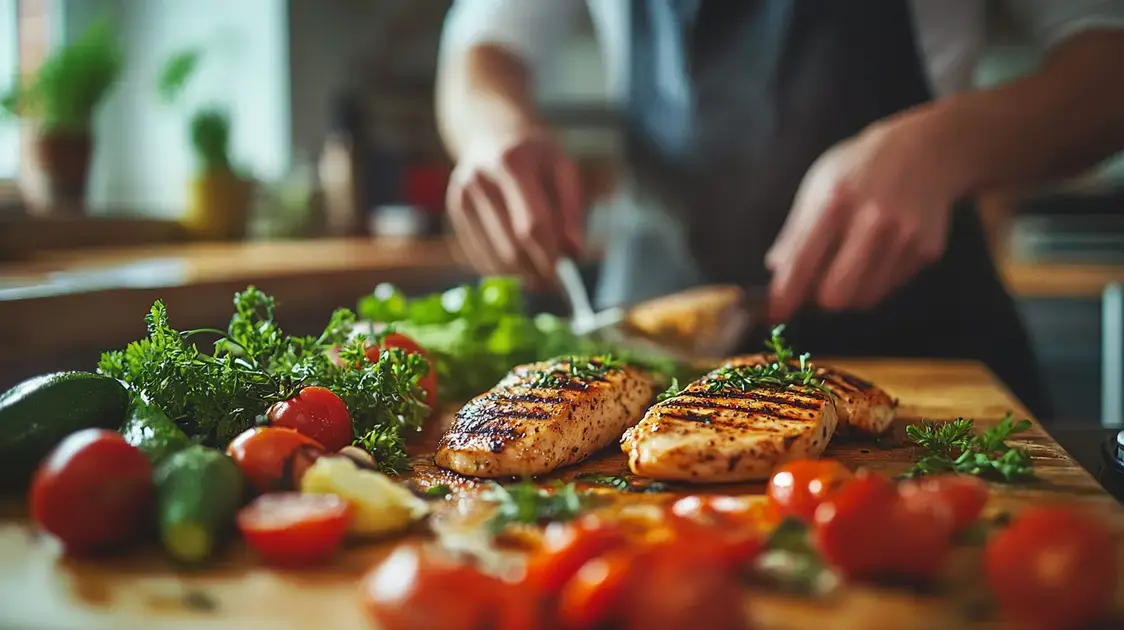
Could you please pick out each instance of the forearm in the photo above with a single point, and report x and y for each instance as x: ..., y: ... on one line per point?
x: 485, y: 91
x: 1057, y: 122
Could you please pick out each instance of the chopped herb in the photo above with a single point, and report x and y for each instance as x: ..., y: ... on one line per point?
x: 527, y: 503
x: 201, y: 601
x: 672, y: 391
x: 953, y: 447
x: 618, y: 482
x: 783, y: 372
x: 438, y: 491
x: 791, y: 563
x: 564, y: 370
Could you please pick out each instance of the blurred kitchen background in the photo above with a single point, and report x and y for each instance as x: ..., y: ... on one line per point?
x: 250, y: 124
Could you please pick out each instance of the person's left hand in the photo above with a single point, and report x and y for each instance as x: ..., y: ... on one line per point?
x: 870, y: 213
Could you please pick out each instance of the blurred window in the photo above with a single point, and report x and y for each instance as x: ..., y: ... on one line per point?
x: 9, y: 69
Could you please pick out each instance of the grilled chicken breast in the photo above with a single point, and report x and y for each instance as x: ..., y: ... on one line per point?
x: 720, y: 436
x: 543, y: 416
x: 861, y: 405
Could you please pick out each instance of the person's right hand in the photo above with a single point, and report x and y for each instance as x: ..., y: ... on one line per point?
x: 515, y: 205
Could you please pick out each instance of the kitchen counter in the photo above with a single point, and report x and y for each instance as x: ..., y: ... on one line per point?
x: 59, y: 308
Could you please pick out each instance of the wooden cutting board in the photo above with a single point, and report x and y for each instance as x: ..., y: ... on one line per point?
x: 41, y: 590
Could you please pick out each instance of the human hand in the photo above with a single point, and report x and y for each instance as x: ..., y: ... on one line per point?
x: 869, y: 215
x: 515, y: 205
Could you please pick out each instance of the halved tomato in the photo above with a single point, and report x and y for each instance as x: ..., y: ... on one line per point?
x: 294, y: 529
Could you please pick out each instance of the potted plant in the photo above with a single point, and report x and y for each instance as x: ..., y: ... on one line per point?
x: 59, y: 101
x: 220, y: 199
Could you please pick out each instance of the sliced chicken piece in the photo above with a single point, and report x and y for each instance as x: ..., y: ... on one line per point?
x: 543, y: 416
x: 710, y: 434
x: 861, y: 405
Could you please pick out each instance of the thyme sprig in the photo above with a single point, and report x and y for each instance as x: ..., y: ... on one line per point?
x: 786, y: 370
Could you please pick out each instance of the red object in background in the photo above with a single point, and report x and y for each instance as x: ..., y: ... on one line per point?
x: 424, y: 186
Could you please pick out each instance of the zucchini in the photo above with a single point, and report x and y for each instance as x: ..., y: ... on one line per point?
x: 39, y: 412
x: 198, y: 491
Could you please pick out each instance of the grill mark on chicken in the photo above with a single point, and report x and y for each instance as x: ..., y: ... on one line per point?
x: 529, y: 397
x: 761, y: 396
x: 689, y: 417
x: 777, y: 410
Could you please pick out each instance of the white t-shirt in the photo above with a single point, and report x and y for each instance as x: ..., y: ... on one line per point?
x: 951, y: 33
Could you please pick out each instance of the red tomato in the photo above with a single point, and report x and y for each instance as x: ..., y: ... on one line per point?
x: 671, y: 590
x: 567, y: 547
x: 867, y: 529
x: 263, y: 454
x: 726, y: 531
x: 851, y: 527
x: 963, y: 496
x: 800, y: 486
x: 93, y: 491
x: 427, y: 382
x: 919, y: 539
x: 293, y: 529
x: 415, y: 588
x: 592, y: 597
x: 317, y: 413
x: 1052, y: 568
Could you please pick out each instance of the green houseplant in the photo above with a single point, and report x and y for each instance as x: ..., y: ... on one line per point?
x: 220, y: 198
x: 60, y: 101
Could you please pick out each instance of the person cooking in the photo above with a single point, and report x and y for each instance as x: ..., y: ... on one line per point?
x: 827, y: 150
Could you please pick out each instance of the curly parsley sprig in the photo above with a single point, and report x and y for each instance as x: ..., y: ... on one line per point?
x: 784, y: 371
x: 953, y: 447
x: 254, y: 363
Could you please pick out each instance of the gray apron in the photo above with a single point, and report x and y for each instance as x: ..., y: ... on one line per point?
x: 730, y: 102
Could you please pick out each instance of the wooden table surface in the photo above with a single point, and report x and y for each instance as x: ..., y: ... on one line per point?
x: 38, y: 589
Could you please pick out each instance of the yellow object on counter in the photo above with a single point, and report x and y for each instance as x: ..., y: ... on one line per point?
x: 220, y: 206
x: 379, y: 505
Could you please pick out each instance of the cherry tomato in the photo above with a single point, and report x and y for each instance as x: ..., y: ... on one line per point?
x: 1052, y: 569
x: 93, y: 491
x: 800, y: 486
x: 317, y: 413
x: 726, y: 531
x: 566, y: 548
x: 294, y: 529
x: 851, y: 527
x: 919, y: 539
x: 592, y: 597
x: 264, y: 453
x: 964, y: 496
x: 672, y: 590
x: 427, y: 382
x: 416, y: 588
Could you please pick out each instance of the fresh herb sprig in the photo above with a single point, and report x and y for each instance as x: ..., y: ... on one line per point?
x: 216, y: 396
x: 953, y: 447
x: 565, y: 370
x: 672, y: 391
x: 527, y: 503
x: 784, y: 371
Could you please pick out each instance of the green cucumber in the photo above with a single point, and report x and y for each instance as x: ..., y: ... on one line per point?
x: 148, y: 428
x: 39, y: 412
x: 198, y: 491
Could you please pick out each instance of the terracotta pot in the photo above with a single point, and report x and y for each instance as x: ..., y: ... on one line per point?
x: 63, y: 160
x: 219, y: 209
